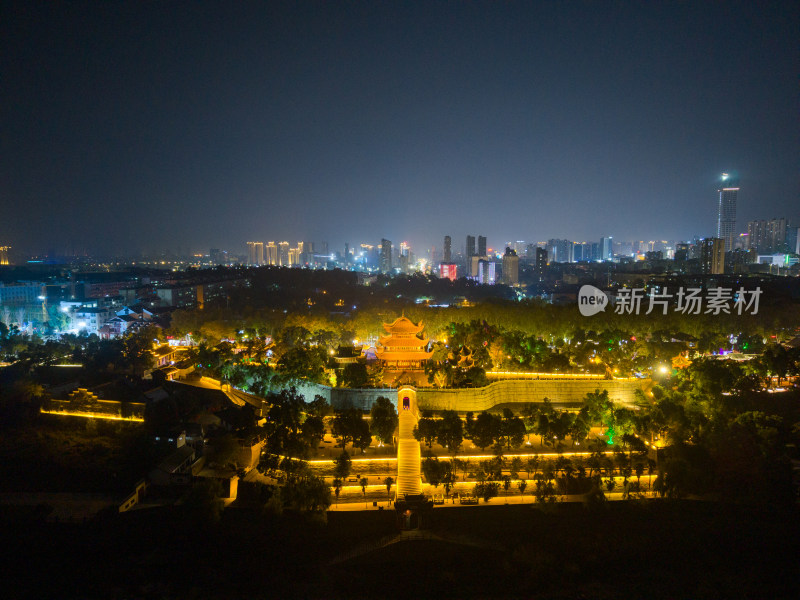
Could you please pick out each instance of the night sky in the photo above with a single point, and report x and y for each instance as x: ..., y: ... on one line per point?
x: 184, y: 126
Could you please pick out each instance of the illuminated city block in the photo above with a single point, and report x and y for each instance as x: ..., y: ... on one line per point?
x: 408, y: 450
x: 448, y: 271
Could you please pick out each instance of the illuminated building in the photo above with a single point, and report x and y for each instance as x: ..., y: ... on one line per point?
x: 473, y: 265
x: 294, y: 257
x: 769, y: 236
x: 283, y: 254
x: 405, y: 257
x: 540, y: 262
x: 271, y: 252
x: 403, y: 348
x: 726, y: 210
x: 485, y: 271
x: 559, y: 251
x: 606, y: 248
x: 386, y: 256
x: 369, y: 256
x: 510, y: 267
x: 255, y: 253
x: 793, y: 239
x: 448, y: 271
x: 4, y: 255
x: 712, y: 256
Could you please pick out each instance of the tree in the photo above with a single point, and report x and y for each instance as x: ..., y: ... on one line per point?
x: 532, y: 464
x: 388, y: 482
x: 137, y: 349
x: 506, y: 485
x: 487, y: 490
x: 450, y: 432
x: 306, y: 493
x: 516, y: 467
x: 304, y: 363
x: 363, y: 483
x: 355, y: 375
x: 284, y: 424
x: 512, y: 430
x: 433, y: 471
x: 448, y: 477
x: 337, y: 488
x: 545, y: 491
x: 313, y: 431
x: 349, y: 426
x: 579, y: 430
x: 485, y: 430
x: 342, y: 465
x: 383, y: 420
x: 522, y: 485
x: 543, y: 428
x: 427, y: 429
x: 319, y: 407
x: 462, y: 465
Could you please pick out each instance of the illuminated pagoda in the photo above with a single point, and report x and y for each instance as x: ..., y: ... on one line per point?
x: 405, y: 345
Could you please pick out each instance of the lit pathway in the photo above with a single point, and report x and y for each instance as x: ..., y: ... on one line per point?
x: 351, y: 497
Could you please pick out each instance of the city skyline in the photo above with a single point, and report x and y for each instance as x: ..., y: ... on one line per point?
x: 133, y: 128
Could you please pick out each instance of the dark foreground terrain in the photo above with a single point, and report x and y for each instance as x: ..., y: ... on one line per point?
x: 620, y: 550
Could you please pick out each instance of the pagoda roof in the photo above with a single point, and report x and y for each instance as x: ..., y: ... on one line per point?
x: 388, y: 341
x: 403, y: 325
x: 390, y: 354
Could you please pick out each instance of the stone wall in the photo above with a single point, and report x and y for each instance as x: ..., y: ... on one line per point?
x: 562, y: 392
x: 359, y: 398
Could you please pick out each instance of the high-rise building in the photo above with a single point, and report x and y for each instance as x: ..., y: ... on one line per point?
x: 769, y: 236
x: 474, y: 265
x: 793, y: 239
x: 559, y: 251
x: 4, y: 255
x: 271, y: 254
x: 712, y: 256
x: 485, y: 272
x: 386, y: 256
x: 540, y: 262
x: 405, y: 257
x: 283, y: 254
x: 726, y: 210
x: 346, y: 254
x: 255, y: 253
x: 470, y: 250
x: 481, y: 245
x: 448, y: 256
x: 606, y: 248
x: 510, y: 267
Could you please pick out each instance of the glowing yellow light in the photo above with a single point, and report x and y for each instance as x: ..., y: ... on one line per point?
x: 91, y: 415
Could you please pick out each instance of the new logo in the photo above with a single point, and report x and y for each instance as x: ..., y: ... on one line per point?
x: 591, y: 300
